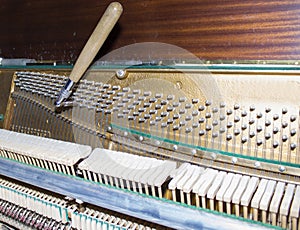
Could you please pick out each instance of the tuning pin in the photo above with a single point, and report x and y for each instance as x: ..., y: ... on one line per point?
x: 182, y: 111
x: 222, y: 105
x: 158, y: 95
x: 275, y: 144
x: 284, y: 110
x: 215, y: 134
x: 170, y: 97
x: 208, y: 115
x: 195, y: 101
x: 182, y: 123
x: 229, y: 112
x: 164, y: 124
x: 170, y: 121
x: 201, y: 132
x: 208, y: 128
x: 176, y: 104
x: 267, y: 110
x: 188, y: 129
x: 215, y: 110
x: 244, y: 140
x: 252, y: 134
x: 284, y: 124
x: 236, y: 106
x: 237, y: 132
x: 164, y: 114
x: 207, y: 103
x: 293, y: 118
x: 188, y: 118
x: 229, y: 124
x: 157, y: 106
x: 176, y: 116
x: 244, y: 126
x: 293, y: 146
x: 175, y: 127
x: 215, y: 123
x: 182, y: 99
x: 267, y: 123
x: 228, y: 137
x: 244, y: 113
x: 170, y: 109
x: 275, y: 117
x: 195, y: 125
x: 259, y: 128
x: 147, y: 93
x: 252, y: 108
x: 259, y: 115
x: 201, y: 108
x: 284, y: 138
x: 163, y: 102
x: 222, y: 130
x: 259, y: 142
x: 267, y: 136
x: 201, y: 120
x: 188, y: 106
x: 293, y: 132
x: 195, y: 113
x: 141, y: 98
x: 236, y: 119
x: 251, y: 121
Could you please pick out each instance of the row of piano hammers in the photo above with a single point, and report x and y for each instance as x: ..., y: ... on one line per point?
x: 250, y: 197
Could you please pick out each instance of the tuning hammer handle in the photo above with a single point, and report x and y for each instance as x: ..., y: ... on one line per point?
x: 96, y: 40
x: 91, y: 48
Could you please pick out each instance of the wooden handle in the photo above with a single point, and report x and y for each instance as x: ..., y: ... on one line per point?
x: 96, y: 40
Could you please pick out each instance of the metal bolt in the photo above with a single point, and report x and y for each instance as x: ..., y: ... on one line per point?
x: 257, y: 164
x: 194, y: 151
x: 121, y: 74
x: 234, y: 160
x: 281, y: 168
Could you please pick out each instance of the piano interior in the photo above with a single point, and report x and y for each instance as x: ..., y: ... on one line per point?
x: 151, y: 137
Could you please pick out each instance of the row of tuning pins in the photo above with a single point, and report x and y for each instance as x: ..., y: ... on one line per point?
x: 236, y: 130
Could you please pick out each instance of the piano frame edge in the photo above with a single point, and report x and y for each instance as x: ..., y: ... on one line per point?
x: 154, y: 210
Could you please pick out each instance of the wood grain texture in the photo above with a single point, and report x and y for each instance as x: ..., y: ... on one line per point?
x: 232, y: 29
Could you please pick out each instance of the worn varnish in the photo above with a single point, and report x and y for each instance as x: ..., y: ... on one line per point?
x: 57, y: 30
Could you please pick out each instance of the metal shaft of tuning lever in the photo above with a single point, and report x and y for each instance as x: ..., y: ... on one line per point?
x: 297, y: 160
x: 91, y: 48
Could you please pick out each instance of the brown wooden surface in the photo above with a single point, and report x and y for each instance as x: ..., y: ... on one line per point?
x: 211, y: 29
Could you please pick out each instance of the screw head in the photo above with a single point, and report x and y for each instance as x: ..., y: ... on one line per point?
x: 121, y: 74
x: 234, y: 160
x: 281, y: 168
x: 213, y: 156
x: 257, y: 164
x: 194, y: 151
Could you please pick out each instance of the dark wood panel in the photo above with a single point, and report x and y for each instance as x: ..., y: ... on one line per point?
x: 232, y: 29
